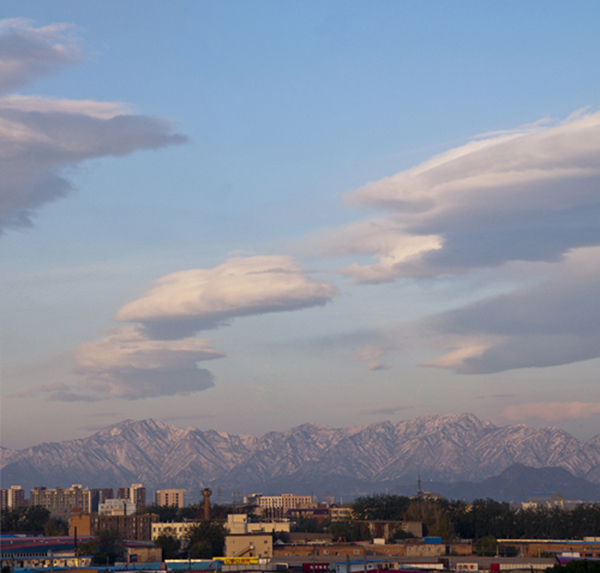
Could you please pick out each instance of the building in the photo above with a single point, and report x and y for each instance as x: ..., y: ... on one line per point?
x: 340, y: 513
x: 13, y: 497
x: 169, y: 497
x: 132, y: 527
x: 238, y: 524
x: 136, y: 494
x: 117, y: 507
x: 98, y: 496
x: 177, y: 529
x: 589, y: 547
x: 259, y: 545
x: 59, y: 499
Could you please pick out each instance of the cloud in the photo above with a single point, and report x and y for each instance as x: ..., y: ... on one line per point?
x: 552, y: 323
x: 27, y: 53
x: 199, y: 299
x: 158, y: 356
x: 371, y: 355
x: 528, y: 195
x: 128, y: 363
x: 39, y: 137
x: 390, y: 411
x: 55, y: 391
x: 551, y: 411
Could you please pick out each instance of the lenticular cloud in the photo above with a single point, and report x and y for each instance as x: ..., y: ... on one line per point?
x: 524, y: 202
x: 530, y: 195
x: 158, y: 356
x: 200, y: 299
x: 39, y: 137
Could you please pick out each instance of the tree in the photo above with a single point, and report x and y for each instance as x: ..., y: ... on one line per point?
x: 165, y: 513
x: 306, y: 524
x: 24, y: 519
x: 486, y: 546
x: 206, y: 540
x: 56, y: 527
x: 169, y: 544
x: 109, y: 546
x: 433, y: 515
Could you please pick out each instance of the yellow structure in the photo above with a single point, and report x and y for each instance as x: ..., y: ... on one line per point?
x: 249, y: 546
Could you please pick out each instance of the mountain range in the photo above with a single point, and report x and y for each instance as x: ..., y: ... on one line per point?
x: 309, y: 459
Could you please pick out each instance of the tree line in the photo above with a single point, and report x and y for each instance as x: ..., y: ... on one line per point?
x: 452, y: 520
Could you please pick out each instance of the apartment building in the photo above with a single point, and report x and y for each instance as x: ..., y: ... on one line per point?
x: 59, y: 499
x: 136, y: 494
x: 13, y: 497
x: 169, y: 497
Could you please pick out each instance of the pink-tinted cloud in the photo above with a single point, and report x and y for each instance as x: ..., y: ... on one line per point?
x: 551, y: 411
x: 527, y: 195
x: 193, y: 300
x: 39, y: 137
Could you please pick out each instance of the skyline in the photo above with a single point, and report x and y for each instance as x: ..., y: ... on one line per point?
x: 247, y: 217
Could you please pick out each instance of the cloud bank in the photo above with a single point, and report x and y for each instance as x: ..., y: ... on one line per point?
x: 528, y: 195
x: 39, y: 137
x: 158, y: 356
x: 526, y: 199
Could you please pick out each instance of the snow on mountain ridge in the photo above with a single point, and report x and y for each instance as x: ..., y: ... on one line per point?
x: 450, y: 447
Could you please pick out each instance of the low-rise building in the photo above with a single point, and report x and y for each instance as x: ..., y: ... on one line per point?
x: 258, y: 545
x: 237, y: 523
x: 178, y: 529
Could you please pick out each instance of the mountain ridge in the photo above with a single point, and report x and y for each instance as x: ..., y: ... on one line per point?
x: 307, y: 458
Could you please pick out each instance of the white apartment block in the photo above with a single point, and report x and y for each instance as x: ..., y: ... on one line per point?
x: 117, y: 507
x: 284, y: 501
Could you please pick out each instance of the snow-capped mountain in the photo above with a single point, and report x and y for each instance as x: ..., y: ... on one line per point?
x: 308, y: 459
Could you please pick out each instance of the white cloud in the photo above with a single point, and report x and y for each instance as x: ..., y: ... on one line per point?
x: 552, y: 323
x: 551, y: 411
x: 529, y: 195
x: 128, y: 364
x: 27, y: 53
x: 198, y: 299
x: 40, y: 136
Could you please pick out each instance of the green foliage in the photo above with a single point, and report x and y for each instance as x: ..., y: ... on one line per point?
x: 109, y: 546
x: 582, y: 566
x: 306, y: 524
x: 169, y: 544
x: 56, y: 527
x: 206, y: 540
x: 484, y: 517
x: 487, y: 546
x: 348, y: 530
x: 166, y: 513
x: 88, y: 548
x: 390, y: 507
x: 24, y: 519
x: 433, y: 513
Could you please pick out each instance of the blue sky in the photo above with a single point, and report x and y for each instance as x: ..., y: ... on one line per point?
x: 250, y: 215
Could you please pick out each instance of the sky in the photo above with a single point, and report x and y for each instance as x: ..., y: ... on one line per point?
x: 246, y: 216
